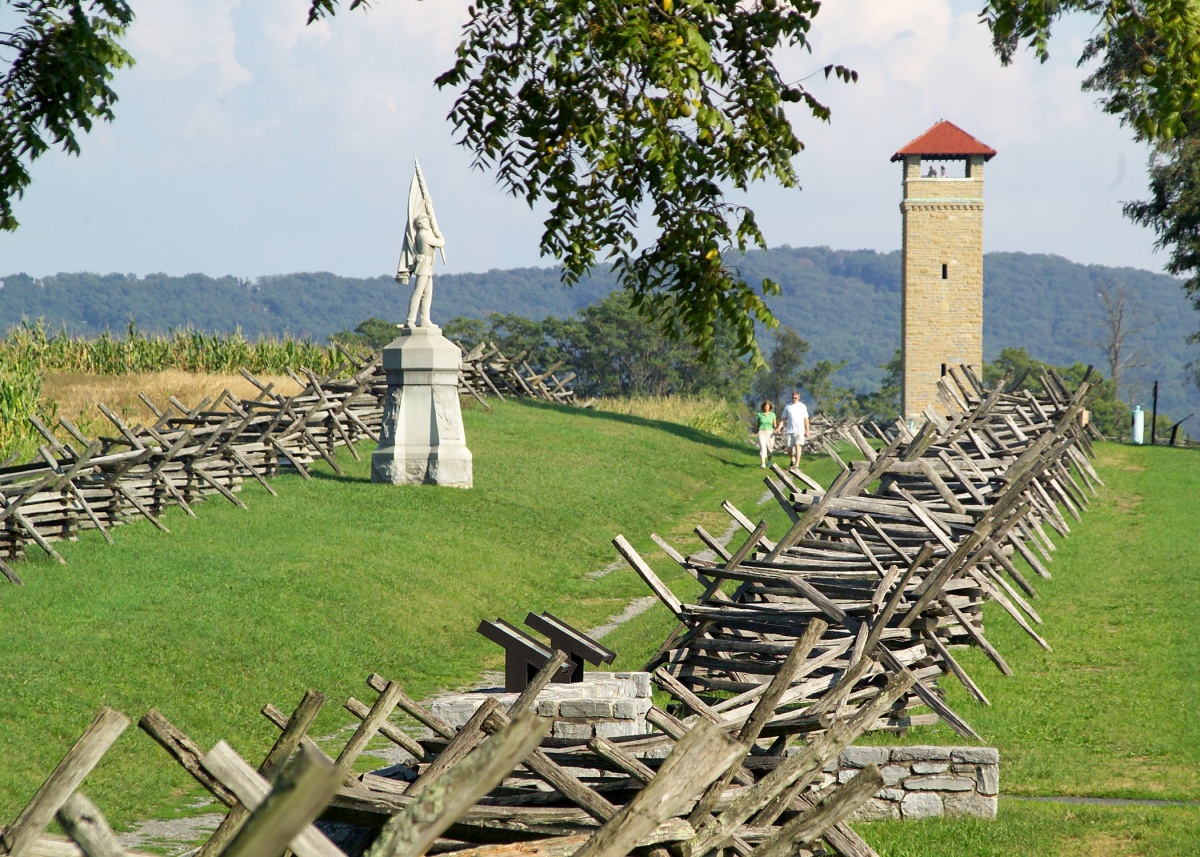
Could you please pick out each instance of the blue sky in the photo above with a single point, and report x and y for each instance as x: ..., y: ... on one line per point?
x: 247, y: 143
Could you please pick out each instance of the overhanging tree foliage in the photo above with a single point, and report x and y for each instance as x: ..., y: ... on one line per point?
x: 1148, y: 50
x: 60, y: 61
x: 611, y: 108
x: 1173, y: 210
x: 1127, y: 61
x: 606, y: 108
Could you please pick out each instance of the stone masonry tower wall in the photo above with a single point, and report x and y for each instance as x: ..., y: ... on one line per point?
x: 942, y: 262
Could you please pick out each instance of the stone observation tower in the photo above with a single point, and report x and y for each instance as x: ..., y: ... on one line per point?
x: 942, y: 259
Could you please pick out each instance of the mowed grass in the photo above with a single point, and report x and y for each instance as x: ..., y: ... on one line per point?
x: 334, y: 579
x: 1044, y: 830
x: 337, y: 578
x: 1110, y: 713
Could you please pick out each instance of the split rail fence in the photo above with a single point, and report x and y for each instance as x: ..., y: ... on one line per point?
x: 892, y: 562
x: 794, y: 649
x: 497, y: 786
x: 191, y: 452
x: 488, y: 371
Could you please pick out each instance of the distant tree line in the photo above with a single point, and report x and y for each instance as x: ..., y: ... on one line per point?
x: 614, y: 353
x: 844, y: 303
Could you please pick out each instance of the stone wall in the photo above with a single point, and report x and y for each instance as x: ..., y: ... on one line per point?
x: 923, y: 782
x: 919, y: 782
x: 604, y: 705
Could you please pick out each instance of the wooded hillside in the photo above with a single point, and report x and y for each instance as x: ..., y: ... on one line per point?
x: 845, y: 303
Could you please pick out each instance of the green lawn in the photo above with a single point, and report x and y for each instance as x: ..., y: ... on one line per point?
x: 1111, y: 712
x: 1025, y: 829
x: 337, y: 578
x: 332, y: 580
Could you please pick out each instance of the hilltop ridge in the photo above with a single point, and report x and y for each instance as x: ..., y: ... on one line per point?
x: 846, y: 303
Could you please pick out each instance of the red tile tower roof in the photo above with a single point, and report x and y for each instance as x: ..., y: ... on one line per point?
x: 945, y: 140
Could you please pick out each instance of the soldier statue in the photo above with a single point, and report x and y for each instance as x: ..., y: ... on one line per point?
x: 422, y: 240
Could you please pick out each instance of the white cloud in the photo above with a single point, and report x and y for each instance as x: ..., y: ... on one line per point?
x: 1050, y: 189
x: 179, y: 38
x: 247, y: 142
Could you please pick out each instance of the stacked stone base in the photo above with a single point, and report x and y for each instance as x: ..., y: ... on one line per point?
x: 604, y: 705
x: 919, y: 782
x: 923, y: 782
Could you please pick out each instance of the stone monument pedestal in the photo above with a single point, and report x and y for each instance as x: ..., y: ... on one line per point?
x: 422, y: 440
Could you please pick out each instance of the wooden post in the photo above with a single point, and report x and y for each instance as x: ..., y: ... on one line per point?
x: 410, y: 832
x: 252, y: 791
x: 1154, y: 417
x: 285, y: 745
x: 303, y: 788
x: 808, y: 827
x: 185, y: 751
x: 59, y: 786
x: 698, y: 759
x: 84, y: 823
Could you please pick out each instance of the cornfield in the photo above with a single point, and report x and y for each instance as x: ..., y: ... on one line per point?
x: 29, y: 351
x: 191, y: 350
x: 20, y: 396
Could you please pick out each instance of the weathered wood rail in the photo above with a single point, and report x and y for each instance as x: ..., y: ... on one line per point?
x: 496, y: 786
x: 189, y: 453
x: 892, y: 562
x: 186, y: 454
x: 795, y: 647
x: 487, y: 371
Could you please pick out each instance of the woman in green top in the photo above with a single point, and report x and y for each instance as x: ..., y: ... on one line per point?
x: 766, y: 431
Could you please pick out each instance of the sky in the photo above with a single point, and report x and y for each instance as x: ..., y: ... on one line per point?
x: 247, y: 143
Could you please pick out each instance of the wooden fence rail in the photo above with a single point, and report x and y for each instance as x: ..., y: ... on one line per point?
x: 891, y: 563
x: 487, y: 371
x: 188, y: 453
x: 795, y: 648
x: 185, y: 454
x: 495, y: 786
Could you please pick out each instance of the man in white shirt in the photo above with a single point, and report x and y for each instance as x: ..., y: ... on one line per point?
x: 795, y: 426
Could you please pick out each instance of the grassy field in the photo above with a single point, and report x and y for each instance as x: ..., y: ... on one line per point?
x: 1045, y: 830
x: 337, y: 578
x: 1110, y: 713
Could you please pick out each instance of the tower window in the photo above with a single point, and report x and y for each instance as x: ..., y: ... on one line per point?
x: 945, y: 271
